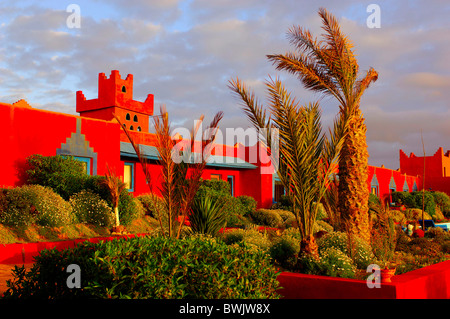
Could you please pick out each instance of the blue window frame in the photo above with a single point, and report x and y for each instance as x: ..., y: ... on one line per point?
x: 230, y: 180
x: 128, y: 176
x: 86, y: 163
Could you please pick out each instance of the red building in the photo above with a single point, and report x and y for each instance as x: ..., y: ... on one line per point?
x: 437, y: 169
x: 95, y: 138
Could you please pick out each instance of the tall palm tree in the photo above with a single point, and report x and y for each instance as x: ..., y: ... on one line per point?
x: 329, y: 66
x: 181, y: 176
x: 307, y: 156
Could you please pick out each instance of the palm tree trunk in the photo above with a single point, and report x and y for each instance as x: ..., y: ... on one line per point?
x: 353, y: 189
x: 309, y: 247
x: 116, y: 214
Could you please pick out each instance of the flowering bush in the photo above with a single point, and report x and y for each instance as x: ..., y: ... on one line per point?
x: 36, y: 204
x: 89, y: 208
x: 331, y: 262
x: 355, y: 248
x: 335, y: 263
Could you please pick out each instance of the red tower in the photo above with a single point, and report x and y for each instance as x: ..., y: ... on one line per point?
x: 115, y: 96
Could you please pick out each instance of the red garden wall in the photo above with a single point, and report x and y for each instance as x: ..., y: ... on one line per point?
x: 432, y: 282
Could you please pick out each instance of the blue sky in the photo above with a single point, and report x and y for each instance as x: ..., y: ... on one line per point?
x: 184, y: 52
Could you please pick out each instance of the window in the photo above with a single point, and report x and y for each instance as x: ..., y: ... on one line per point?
x: 392, y: 188
x: 278, y: 190
x: 215, y: 177
x: 414, y: 187
x: 230, y: 180
x: 86, y: 161
x: 138, y: 129
x: 128, y: 117
x: 405, y: 187
x: 128, y: 176
x: 124, y: 89
x: 131, y: 127
x: 374, y: 185
x: 135, y: 119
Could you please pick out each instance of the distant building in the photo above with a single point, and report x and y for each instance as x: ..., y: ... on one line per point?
x: 437, y: 169
x: 96, y: 139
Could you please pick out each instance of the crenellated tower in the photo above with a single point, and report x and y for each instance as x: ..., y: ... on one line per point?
x: 115, y: 96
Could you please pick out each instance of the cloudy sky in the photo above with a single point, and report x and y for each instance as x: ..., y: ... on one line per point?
x: 185, y: 52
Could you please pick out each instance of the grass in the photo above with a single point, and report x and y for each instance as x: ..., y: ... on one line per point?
x: 35, y: 233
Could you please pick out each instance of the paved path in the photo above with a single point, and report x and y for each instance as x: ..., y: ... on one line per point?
x: 6, y: 274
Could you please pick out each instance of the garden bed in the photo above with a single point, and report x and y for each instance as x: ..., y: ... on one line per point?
x: 432, y: 282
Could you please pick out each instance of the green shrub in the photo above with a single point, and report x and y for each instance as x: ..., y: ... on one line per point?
x: 234, y: 208
x: 249, y: 204
x: 65, y: 175
x: 252, y: 237
x: 321, y: 225
x: 267, y: 217
x: 207, y: 216
x: 402, y: 198
x: 285, y: 250
x: 156, y: 268
x: 90, y: 208
x: 414, y: 200
x: 36, y: 204
x: 153, y: 205
x: 130, y: 208
x: 234, y: 236
x: 288, y: 217
x: 442, y: 200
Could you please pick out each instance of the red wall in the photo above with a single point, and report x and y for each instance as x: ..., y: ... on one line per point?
x: 26, y: 131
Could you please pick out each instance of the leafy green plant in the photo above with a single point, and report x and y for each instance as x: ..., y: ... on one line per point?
x: 130, y: 208
x: 285, y: 250
x: 90, y: 208
x: 235, y: 208
x: 249, y: 204
x: 151, y: 267
x: 383, y: 236
x: 64, y: 175
x: 442, y: 200
x: 206, y: 216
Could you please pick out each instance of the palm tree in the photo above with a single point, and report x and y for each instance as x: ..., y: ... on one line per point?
x: 115, y: 187
x: 329, y: 66
x: 307, y: 156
